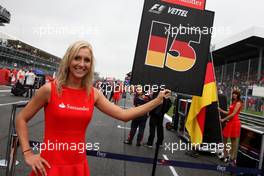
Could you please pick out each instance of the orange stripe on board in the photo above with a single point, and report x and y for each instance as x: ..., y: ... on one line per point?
x: 156, y: 59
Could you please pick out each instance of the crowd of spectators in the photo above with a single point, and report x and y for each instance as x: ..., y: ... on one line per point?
x: 25, y: 57
x: 245, y: 83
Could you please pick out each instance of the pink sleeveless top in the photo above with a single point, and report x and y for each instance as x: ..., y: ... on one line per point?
x: 66, y: 119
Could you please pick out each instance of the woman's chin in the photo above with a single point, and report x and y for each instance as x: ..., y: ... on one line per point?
x: 79, y: 76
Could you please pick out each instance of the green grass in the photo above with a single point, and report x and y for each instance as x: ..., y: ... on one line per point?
x: 252, y: 112
x: 170, y: 112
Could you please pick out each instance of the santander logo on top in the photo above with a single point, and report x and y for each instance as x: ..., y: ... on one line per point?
x: 68, y: 106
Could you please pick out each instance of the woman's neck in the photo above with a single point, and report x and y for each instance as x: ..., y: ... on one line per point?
x: 74, y: 83
x: 235, y: 100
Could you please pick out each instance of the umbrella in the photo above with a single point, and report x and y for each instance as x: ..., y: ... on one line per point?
x: 38, y: 72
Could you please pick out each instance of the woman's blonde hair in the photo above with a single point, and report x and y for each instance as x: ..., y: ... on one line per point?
x: 70, y: 54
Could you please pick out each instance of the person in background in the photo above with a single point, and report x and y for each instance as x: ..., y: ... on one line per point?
x: 14, y: 76
x: 232, y: 128
x: 30, y: 80
x: 112, y: 90
x: 156, y: 121
x: 139, y: 123
x: 7, y: 76
x: 103, y: 87
x: 21, y: 76
x: 222, y: 102
x: 10, y: 77
x: 117, y: 93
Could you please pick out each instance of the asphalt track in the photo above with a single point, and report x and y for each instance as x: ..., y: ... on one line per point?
x: 110, y: 134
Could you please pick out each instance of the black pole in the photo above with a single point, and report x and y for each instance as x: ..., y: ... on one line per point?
x: 155, y: 159
x: 158, y: 142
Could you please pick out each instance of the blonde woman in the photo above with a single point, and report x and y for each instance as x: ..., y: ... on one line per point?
x: 68, y: 104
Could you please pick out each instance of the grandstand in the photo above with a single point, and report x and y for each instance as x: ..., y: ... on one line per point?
x: 4, y: 16
x: 15, y: 53
x: 239, y: 62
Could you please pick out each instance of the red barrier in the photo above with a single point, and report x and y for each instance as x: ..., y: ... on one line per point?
x: 4, y: 76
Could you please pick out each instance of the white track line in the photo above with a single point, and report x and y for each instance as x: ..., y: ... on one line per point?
x: 121, y: 127
x: 171, y: 168
x: 6, y: 104
x: 4, y: 91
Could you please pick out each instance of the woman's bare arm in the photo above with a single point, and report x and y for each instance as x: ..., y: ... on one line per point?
x: 230, y: 116
x: 127, y: 114
x: 40, y: 98
x: 223, y: 111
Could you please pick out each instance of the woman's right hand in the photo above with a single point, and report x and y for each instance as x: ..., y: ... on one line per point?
x: 37, y: 163
x: 166, y: 93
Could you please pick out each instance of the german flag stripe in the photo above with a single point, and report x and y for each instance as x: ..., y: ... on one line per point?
x: 179, y: 63
x: 155, y: 58
x: 185, y: 50
x: 209, y: 77
x: 197, y: 118
x: 157, y: 44
x: 159, y: 29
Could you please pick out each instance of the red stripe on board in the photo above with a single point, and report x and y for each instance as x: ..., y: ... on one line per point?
x: 184, y: 49
x: 158, y: 44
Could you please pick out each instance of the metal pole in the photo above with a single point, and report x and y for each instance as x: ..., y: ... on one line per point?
x: 124, y: 135
x: 10, y: 169
x: 157, y: 143
x: 261, y: 158
x: 222, y: 74
x: 212, y: 60
x: 225, y: 71
x: 260, y: 63
x: 249, y: 65
x: 10, y: 132
x: 234, y: 72
x: 246, y: 99
x: 12, y: 143
x: 155, y: 160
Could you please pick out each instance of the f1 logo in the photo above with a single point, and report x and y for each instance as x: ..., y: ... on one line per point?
x: 157, y: 8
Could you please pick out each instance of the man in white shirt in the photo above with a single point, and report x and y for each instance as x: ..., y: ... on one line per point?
x: 21, y: 76
x: 30, y: 80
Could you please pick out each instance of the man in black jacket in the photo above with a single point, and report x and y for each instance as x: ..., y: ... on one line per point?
x: 139, y: 123
x: 156, y: 120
